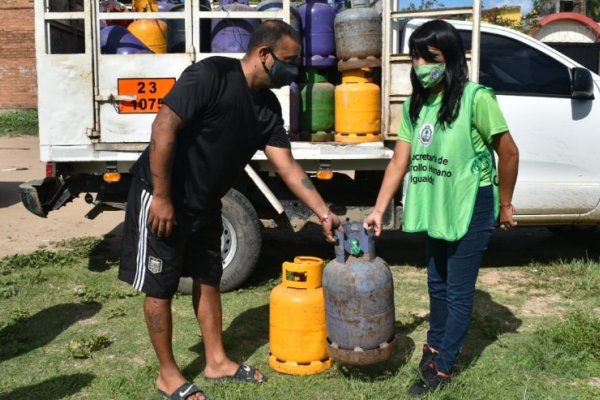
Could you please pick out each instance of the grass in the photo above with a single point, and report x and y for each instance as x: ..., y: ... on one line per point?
x: 579, y: 282
x: 19, y: 122
x: 70, y: 329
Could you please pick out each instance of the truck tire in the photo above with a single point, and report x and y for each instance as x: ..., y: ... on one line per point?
x: 241, y: 242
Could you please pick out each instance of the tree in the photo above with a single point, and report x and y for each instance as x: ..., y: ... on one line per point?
x: 592, y: 8
x: 425, y: 5
x: 497, y: 16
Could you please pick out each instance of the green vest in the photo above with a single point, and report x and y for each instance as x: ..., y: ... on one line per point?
x: 445, y: 172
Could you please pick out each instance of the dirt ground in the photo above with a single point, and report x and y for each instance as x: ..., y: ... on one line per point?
x: 23, y: 232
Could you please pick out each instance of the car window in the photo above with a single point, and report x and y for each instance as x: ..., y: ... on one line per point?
x: 511, y: 67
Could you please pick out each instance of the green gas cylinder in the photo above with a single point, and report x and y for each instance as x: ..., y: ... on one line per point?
x: 317, y: 104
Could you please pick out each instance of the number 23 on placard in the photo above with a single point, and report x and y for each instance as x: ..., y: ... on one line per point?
x: 149, y: 93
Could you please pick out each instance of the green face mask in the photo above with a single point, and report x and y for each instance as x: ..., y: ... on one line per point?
x: 430, y: 74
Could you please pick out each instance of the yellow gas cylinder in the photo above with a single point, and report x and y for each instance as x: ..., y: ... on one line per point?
x: 357, y: 108
x: 151, y: 32
x: 297, y: 329
x: 145, y: 5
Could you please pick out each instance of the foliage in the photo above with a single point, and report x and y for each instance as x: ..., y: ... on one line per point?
x: 497, y: 16
x: 85, y: 346
x: 83, y: 246
x: 425, y: 5
x: 592, y: 9
x: 575, y: 279
x: 19, y: 122
x: 38, y: 259
x: 578, y: 335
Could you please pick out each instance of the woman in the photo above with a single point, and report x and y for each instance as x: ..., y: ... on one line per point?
x: 449, y: 131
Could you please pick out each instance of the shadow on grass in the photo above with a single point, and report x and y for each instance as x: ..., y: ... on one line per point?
x: 247, y: 332
x: 40, y: 329
x: 50, y: 389
x: 404, y: 350
x: 517, y: 247
x: 490, y: 320
x: 107, y: 251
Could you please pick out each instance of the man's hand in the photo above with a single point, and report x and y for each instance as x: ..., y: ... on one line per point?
x: 302, y: 187
x: 329, y: 224
x: 161, y: 217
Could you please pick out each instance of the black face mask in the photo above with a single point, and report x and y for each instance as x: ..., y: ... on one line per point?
x: 281, y: 73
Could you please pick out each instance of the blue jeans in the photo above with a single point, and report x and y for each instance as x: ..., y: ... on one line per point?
x: 451, y: 275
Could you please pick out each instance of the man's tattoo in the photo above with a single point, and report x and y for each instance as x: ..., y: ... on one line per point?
x: 308, y: 183
x: 155, y: 323
x: 167, y: 168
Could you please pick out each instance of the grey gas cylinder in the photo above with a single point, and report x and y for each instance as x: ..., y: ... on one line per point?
x: 359, y: 301
x: 358, y: 37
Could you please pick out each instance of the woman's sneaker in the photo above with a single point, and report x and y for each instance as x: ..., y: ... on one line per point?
x: 429, y: 354
x: 431, y: 379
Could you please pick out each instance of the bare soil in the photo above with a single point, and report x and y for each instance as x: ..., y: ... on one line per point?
x: 22, y: 231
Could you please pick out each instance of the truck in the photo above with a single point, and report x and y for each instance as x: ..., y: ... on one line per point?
x: 95, y: 112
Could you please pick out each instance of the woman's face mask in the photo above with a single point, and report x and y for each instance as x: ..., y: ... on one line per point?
x: 281, y: 73
x: 430, y: 74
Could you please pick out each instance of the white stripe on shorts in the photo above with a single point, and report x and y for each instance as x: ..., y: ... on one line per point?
x: 140, y: 272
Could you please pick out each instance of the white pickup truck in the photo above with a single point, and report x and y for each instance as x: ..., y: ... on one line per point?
x: 551, y: 104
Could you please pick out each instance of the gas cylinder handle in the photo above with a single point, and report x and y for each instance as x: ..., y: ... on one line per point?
x: 304, y: 273
x: 356, y: 242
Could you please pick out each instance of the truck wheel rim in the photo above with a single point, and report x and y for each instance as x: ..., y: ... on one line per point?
x: 228, y: 242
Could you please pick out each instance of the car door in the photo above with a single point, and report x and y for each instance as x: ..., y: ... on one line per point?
x: 557, y: 135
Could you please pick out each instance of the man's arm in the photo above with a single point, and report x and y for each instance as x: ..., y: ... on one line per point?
x: 162, y: 150
x: 301, y: 186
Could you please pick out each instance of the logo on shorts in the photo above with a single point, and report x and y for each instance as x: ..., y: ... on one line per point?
x: 426, y: 135
x: 155, y: 265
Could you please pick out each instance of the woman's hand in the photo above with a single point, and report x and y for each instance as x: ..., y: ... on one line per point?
x: 374, y: 220
x: 506, y: 221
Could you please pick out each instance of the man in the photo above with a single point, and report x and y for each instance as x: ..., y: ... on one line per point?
x: 211, y: 123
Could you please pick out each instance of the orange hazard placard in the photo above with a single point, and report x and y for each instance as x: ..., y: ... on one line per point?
x: 149, y: 92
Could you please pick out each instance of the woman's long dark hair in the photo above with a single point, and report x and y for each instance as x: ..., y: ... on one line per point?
x: 443, y: 36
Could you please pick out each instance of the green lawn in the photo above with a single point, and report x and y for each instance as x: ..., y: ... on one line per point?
x: 70, y: 329
x: 18, y: 122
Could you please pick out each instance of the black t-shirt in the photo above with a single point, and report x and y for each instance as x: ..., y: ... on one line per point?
x: 226, y: 124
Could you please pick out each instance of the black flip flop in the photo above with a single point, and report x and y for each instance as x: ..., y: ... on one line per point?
x: 244, y: 373
x: 183, y: 392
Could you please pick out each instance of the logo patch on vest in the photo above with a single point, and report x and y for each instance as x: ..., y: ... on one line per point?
x: 426, y: 135
x: 155, y: 265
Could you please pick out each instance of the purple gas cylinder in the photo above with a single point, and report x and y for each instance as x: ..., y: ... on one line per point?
x: 318, y: 37
x: 165, y: 6
x: 233, y: 34
x: 294, y: 111
x: 115, y: 39
x: 276, y: 5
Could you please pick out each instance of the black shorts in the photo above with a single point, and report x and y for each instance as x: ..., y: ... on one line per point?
x: 154, y: 265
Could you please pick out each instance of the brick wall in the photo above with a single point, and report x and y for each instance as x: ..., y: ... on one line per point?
x: 18, y: 84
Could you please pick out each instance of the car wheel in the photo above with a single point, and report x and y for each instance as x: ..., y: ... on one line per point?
x: 241, y: 242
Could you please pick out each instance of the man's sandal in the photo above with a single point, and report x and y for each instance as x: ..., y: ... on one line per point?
x: 183, y: 392
x: 244, y: 373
